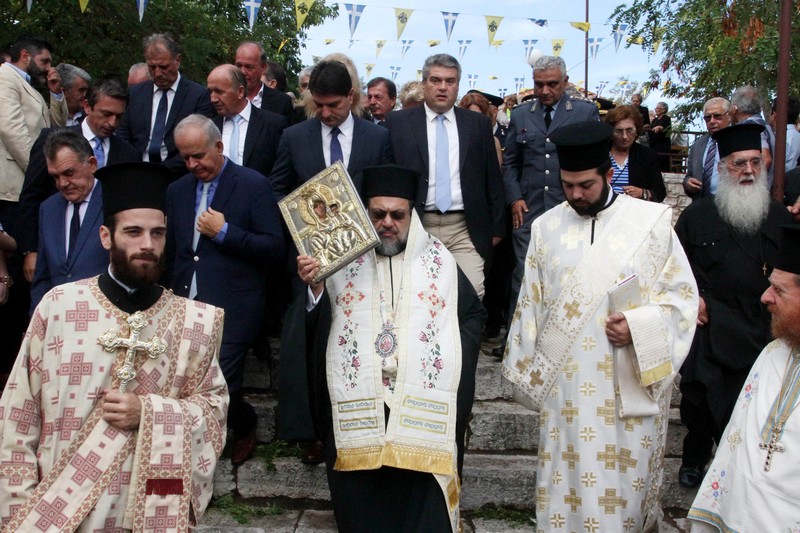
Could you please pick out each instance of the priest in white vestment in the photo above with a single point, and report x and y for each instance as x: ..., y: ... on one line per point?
x: 751, y: 484
x: 605, y: 316
x: 114, y: 415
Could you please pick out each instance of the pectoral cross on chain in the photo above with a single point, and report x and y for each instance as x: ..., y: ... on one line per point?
x: 111, y: 340
x: 772, y: 446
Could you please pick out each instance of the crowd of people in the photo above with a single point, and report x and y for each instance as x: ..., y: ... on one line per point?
x: 542, y: 221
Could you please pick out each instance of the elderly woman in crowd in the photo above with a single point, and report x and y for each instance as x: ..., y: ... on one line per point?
x: 636, y: 170
x: 477, y: 102
x: 411, y: 94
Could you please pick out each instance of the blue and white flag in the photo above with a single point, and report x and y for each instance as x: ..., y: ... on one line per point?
x: 462, y: 48
x: 594, y: 46
x: 518, y: 84
x: 472, y: 78
x: 529, y: 44
x: 394, y: 70
x: 600, y: 87
x: 354, y: 12
x: 251, y: 6
x: 449, y: 23
x: 619, y: 33
x: 406, y: 45
x: 540, y: 22
x: 502, y: 92
x: 140, y: 6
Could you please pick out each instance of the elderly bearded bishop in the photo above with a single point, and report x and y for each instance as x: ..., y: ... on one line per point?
x: 114, y: 415
x: 598, y: 262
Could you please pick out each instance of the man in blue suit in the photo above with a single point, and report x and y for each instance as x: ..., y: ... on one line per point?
x: 156, y: 106
x: 334, y: 134
x: 224, y: 230
x: 69, y: 222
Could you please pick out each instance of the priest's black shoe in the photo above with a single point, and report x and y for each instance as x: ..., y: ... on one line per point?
x: 690, y: 476
x: 243, y: 448
x: 313, y: 454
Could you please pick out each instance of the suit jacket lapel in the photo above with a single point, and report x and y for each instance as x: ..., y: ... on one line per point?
x: 60, y: 225
x: 464, y: 133
x: 225, y: 186
x: 254, y: 127
x: 355, y: 153
x: 33, y: 93
x: 419, y: 127
x: 177, y: 101
x: 93, y: 211
x: 314, y: 143
x: 537, y: 116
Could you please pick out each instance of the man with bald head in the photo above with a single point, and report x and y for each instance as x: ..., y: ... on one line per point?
x: 157, y: 105
x: 252, y: 60
x: 249, y: 135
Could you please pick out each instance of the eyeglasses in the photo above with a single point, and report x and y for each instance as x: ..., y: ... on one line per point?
x: 628, y: 132
x: 715, y: 116
x: 741, y: 164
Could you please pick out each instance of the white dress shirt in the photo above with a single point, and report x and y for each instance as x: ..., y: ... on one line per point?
x: 455, y: 169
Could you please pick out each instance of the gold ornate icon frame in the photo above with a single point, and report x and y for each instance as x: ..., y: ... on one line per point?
x: 327, y: 220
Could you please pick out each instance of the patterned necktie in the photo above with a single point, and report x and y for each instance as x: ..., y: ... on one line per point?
x: 99, y: 152
x: 196, y: 237
x: 444, y: 198
x: 336, y: 148
x: 233, y: 149
x: 547, y: 118
x: 708, y: 165
x: 74, y: 228
x: 159, y: 128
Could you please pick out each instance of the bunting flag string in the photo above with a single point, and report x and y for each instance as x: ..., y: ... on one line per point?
x: 328, y: 41
x: 354, y: 12
x: 618, y: 33
x: 449, y: 23
x: 583, y: 26
x: 394, y: 70
x: 492, y: 25
x: 141, y: 5
x: 251, y: 6
x: 301, y: 9
x: 379, y: 46
x: 518, y: 84
x: 368, y: 67
x: 494, y: 78
x: 558, y: 45
x: 529, y: 44
x: 594, y: 46
x: 472, y: 78
x: 402, y: 16
x: 462, y: 48
x: 83, y: 4
x: 432, y: 43
x: 541, y: 23
x: 405, y: 46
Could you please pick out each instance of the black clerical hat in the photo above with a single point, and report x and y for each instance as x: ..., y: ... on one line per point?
x: 738, y: 138
x: 133, y: 185
x: 582, y: 146
x: 788, y: 258
x: 389, y: 180
x: 493, y: 99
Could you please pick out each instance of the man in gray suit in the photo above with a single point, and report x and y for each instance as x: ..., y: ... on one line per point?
x: 531, y: 174
x: 701, y: 173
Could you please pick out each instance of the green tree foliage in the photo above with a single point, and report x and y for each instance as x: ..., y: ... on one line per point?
x: 710, y: 47
x: 107, y: 37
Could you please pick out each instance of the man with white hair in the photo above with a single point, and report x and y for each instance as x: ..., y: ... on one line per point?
x: 76, y: 82
x: 731, y: 240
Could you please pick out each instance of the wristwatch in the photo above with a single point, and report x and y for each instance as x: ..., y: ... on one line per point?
x: 8, y: 280
x: 645, y: 195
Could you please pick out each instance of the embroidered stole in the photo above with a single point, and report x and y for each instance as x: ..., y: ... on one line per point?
x: 420, y: 433
x: 581, y: 296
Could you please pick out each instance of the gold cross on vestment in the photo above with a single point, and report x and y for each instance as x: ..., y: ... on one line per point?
x: 772, y: 446
x: 111, y: 340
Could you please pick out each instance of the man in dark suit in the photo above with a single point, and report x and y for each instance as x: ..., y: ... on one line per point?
x: 311, y: 146
x: 255, y: 132
x: 157, y: 106
x: 103, y: 108
x: 252, y: 60
x: 454, y: 148
x: 702, y: 175
x: 382, y: 97
x: 69, y: 251
x: 224, y: 231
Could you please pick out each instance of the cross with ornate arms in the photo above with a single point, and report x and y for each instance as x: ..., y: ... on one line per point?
x: 111, y: 340
x: 772, y: 446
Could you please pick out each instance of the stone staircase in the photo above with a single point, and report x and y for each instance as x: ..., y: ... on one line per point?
x: 499, y: 466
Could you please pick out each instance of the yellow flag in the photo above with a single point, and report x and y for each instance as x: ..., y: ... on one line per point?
x: 433, y: 43
x: 636, y: 40
x: 369, y: 68
x: 378, y: 47
x: 493, y: 78
x: 558, y: 44
x: 83, y: 4
x: 583, y: 26
x: 283, y: 43
x: 328, y: 41
x: 401, y: 16
x: 492, y: 24
x: 301, y: 9
x: 419, y: 74
x: 497, y: 44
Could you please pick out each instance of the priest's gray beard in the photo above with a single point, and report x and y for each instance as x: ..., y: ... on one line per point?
x: 391, y: 247
x: 744, y: 207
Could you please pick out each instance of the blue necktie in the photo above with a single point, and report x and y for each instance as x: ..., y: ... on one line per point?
x: 336, y: 148
x: 708, y: 166
x: 99, y: 152
x: 444, y: 198
x: 159, y: 128
x: 233, y: 149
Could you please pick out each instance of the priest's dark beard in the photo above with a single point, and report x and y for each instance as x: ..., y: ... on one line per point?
x: 389, y: 248
x: 595, y: 207
x: 136, y: 277
x: 744, y: 207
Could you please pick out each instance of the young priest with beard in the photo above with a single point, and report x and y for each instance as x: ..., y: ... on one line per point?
x: 114, y: 414
x: 731, y: 240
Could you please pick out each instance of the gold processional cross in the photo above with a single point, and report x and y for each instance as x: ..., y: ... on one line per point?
x: 111, y: 340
